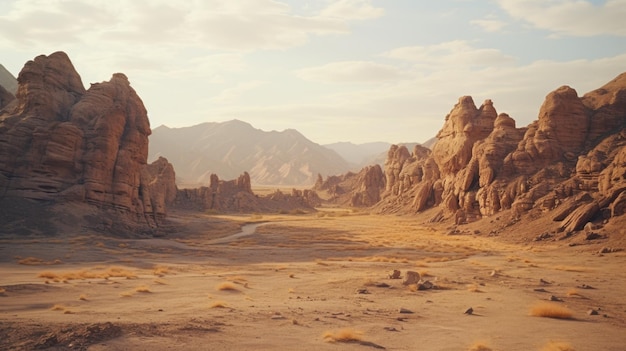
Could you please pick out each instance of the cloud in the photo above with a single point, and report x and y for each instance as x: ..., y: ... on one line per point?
x: 244, y: 25
x: 352, y: 10
x: 351, y: 72
x: 230, y: 95
x: 414, y: 108
x: 489, y: 24
x: 573, y: 18
x: 451, y: 53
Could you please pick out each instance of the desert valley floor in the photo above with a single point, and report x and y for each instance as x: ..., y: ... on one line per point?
x: 307, y: 282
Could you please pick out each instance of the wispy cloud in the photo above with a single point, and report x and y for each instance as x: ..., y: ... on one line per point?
x: 231, y: 95
x: 457, y: 52
x: 572, y: 18
x: 352, y: 72
x: 352, y: 10
x: 489, y: 24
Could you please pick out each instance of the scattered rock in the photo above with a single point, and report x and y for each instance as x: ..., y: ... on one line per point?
x: 405, y: 311
x: 395, y: 275
x: 555, y: 298
x: 542, y: 236
x: 425, y: 285
x: 540, y: 290
x: 391, y: 329
x: 585, y: 286
x: 593, y: 312
x: 411, y: 278
x: 382, y: 285
x: 362, y: 291
x: 543, y: 281
x: 469, y: 311
x: 608, y: 250
x: 592, y: 236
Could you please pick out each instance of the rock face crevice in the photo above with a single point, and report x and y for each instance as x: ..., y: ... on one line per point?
x: 62, y: 143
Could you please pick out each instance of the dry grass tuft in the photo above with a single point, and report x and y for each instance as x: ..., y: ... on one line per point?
x: 574, y: 292
x: 424, y: 273
x: 343, y: 335
x: 551, y: 310
x: 473, y: 288
x: 143, y: 289
x: 33, y: 261
x: 557, y: 346
x: 95, y: 273
x: 226, y: 286
x: 218, y: 304
x: 57, y: 308
x: 160, y: 271
x: 573, y: 269
x: 320, y: 262
x: 479, y: 346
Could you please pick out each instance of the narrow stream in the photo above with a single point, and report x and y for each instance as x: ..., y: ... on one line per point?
x: 247, y: 229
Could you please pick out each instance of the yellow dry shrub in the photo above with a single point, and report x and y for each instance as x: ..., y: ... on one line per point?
x: 343, y: 335
x: 551, y: 310
x: 226, y: 286
x: 557, y: 346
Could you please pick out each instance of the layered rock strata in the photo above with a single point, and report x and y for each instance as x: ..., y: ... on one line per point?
x: 482, y: 164
x: 62, y: 143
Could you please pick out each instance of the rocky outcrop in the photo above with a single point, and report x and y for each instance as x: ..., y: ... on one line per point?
x: 62, y: 143
x: 236, y: 196
x: 483, y: 164
x: 370, y: 183
x: 363, y: 189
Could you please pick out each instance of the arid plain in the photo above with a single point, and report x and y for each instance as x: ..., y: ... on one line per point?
x: 308, y: 281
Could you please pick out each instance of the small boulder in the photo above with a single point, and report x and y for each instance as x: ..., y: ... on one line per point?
x: 395, y: 275
x: 411, y: 278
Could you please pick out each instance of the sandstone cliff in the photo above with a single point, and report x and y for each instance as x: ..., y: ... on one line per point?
x: 62, y: 143
x: 482, y: 164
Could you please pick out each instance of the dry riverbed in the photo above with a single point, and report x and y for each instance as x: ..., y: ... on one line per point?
x: 307, y: 282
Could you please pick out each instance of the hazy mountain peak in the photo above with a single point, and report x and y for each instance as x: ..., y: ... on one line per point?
x: 7, y: 80
x: 232, y: 147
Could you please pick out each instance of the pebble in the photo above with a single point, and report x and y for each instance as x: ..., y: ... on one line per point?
x: 593, y: 312
x: 469, y: 311
x: 404, y: 310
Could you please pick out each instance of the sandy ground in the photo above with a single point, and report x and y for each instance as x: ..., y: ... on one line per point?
x: 304, y: 283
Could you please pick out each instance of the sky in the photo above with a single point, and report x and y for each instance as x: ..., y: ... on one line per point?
x: 335, y: 70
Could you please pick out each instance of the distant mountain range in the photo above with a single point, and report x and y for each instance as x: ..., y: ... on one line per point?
x: 361, y: 155
x: 7, y: 80
x: 230, y: 148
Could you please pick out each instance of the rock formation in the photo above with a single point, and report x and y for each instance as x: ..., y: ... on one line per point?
x: 483, y: 164
x: 237, y: 196
x: 361, y: 189
x: 62, y: 143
